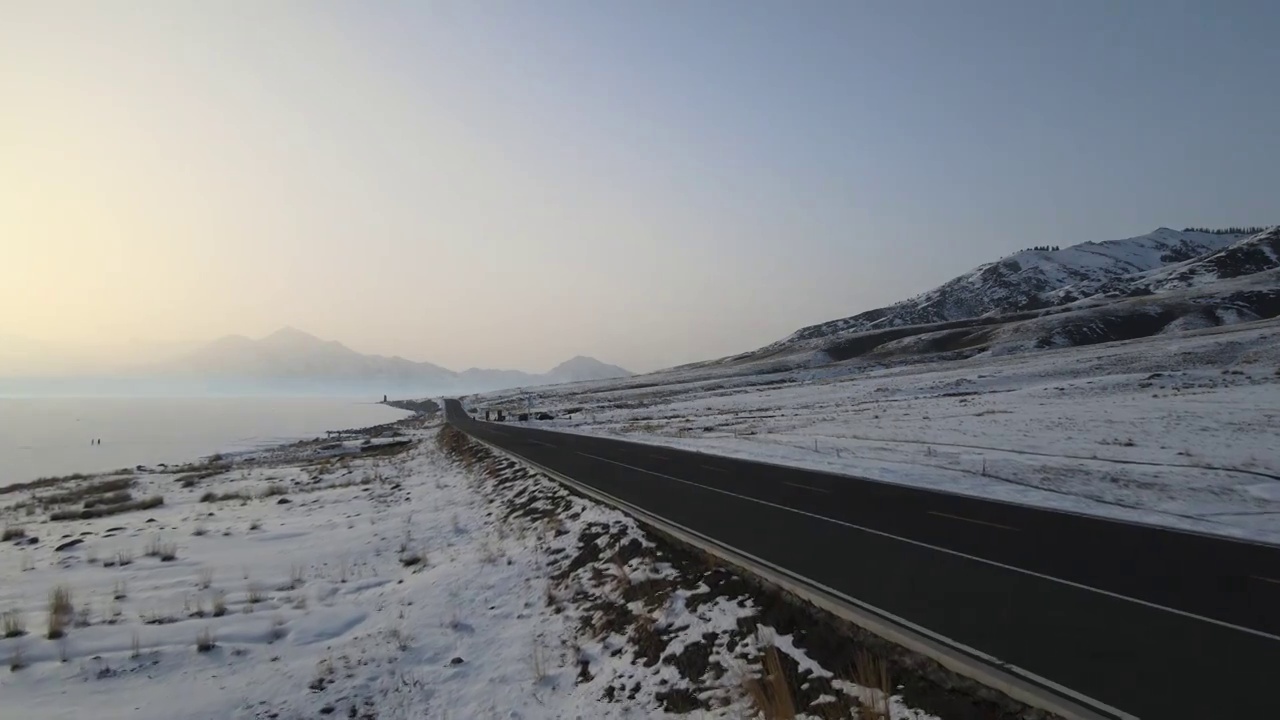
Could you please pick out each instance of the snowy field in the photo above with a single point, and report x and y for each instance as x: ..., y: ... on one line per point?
x: 1180, y: 429
x: 412, y: 582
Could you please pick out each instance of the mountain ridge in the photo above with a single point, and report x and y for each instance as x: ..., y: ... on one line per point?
x: 1027, y: 280
x: 293, y: 355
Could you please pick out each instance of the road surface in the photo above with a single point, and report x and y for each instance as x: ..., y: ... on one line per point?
x: 1153, y: 622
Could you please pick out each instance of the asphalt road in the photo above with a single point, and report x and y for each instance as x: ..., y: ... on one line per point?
x: 1157, y: 623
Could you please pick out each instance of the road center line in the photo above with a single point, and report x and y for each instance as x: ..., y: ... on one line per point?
x: 971, y: 520
x: 1266, y: 579
x: 658, y: 457
x: 716, y: 469
x: 806, y: 487
x: 937, y: 548
x: 539, y: 442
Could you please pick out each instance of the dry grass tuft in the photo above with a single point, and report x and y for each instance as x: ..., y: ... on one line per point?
x: 222, y: 497
x: 12, y: 532
x: 12, y: 624
x: 219, y: 603
x: 274, y: 489
x: 403, y: 640
x: 152, y: 548
x: 770, y: 693
x: 538, y: 661
x: 872, y: 674
x: 206, y: 578
x: 86, y: 492
x: 98, y: 511
x: 61, y: 611
x: 205, y: 641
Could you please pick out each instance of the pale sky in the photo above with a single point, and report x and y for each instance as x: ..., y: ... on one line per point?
x: 508, y: 184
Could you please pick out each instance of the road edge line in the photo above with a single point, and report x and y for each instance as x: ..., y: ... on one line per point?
x: 1021, y: 685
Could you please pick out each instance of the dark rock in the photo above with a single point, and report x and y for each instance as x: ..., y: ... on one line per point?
x: 151, y: 520
x: 69, y: 544
x: 456, y: 661
x: 283, y: 501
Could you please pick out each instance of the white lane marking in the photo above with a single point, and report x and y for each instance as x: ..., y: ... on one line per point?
x: 971, y: 520
x: 937, y: 548
x: 806, y: 487
x: 716, y: 469
x: 991, y: 660
x: 659, y: 457
x: 1266, y: 579
x: 539, y: 442
x: 968, y: 496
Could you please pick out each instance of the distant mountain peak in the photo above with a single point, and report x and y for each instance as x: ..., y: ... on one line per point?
x: 580, y: 360
x: 288, y: 333
x: 582, y: 367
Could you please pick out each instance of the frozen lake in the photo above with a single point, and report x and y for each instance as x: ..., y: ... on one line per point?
x: 42, y: 437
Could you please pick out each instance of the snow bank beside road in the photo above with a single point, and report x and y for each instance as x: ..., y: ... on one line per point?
x: 403, y: 581
x: 1179, y: 430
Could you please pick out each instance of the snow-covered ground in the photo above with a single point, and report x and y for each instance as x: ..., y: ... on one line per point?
x: 411, y: 583
x: 1180, y: 429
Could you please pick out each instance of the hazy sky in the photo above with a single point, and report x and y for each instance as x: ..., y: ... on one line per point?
x: 507, y: 184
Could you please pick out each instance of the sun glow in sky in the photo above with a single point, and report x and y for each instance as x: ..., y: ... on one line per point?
x: 508, y: 184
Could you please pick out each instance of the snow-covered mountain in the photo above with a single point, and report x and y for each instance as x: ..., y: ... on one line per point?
x: 1253, y: 254
x: 1029, y: 280
x: 298, y: 359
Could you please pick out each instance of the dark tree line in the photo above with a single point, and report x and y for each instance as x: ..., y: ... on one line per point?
x: 1226, y: 231
x: 1043, y: 248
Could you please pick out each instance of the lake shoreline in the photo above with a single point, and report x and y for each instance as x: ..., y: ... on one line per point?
x: 54, y: 437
